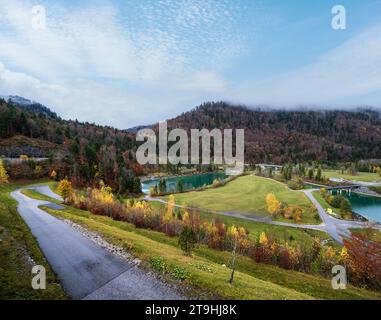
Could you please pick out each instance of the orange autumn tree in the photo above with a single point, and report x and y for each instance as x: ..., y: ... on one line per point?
x: 363, y: 258
x: 53, y: 174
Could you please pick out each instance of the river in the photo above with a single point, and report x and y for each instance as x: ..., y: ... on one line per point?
x: 190, y: 182
x: 367, y: 206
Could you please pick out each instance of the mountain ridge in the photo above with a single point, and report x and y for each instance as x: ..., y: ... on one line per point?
x: 271, y: 135
x: 280, y: 136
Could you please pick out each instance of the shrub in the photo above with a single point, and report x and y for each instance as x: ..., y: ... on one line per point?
x: 179, y: 273
x: 335, y: 201
x: 159, y: 265
x: 323, y: 191
x: 175, y: 271
x: 294, y: 185
x: 345, y: 206
x: 187, y: 240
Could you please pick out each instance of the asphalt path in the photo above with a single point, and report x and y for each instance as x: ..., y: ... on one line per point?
x: 85, y: 269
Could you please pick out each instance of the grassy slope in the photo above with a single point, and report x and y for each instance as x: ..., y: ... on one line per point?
x: 291, y: 235
x: 325, y: 204
x: 17, y: 243
x: 246, y: 195
x: 360, y: 176
x: 376, y: 234
x: 253, y: 281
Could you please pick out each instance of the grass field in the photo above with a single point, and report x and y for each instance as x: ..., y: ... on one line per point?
x: 360, y: 176
x: 207, y: 273
x: 19, y: 252
x: 247, y: 195
x: 280, y: 233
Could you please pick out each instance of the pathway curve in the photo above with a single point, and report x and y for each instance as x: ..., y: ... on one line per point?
x: 336, y: 228
x: 249, y: 217
x: 85, y: 269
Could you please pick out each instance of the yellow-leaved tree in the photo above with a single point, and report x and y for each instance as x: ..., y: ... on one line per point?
x: 170, y: 208
x: 273, y: 205
x: 238, y: 240
x: 65, y: 189
x: 3, y: 173
x: 344, y: 255
x: 263, y: 240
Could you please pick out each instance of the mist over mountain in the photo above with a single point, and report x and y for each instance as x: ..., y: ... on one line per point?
x: 293, y: 135
x: 271, y: 135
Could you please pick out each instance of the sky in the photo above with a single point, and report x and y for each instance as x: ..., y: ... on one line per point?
x: 133, y: 62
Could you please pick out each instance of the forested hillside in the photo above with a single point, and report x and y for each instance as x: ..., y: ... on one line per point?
x: 279, y: 136
x: 82, y: 151
x: 87, y: 153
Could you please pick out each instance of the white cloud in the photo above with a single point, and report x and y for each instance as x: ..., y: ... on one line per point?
x: 154, y: 60
x: 206, y: 81
x: 101, y: 64
x: 348, y: 75
x: 21, y: 83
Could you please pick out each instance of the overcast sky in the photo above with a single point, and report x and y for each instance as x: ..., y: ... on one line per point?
x: 132, y: 62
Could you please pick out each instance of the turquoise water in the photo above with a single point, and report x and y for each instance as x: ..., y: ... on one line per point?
x: 189, y: 182
x: 369, y: 207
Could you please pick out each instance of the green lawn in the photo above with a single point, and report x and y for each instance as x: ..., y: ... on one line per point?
x: 292, y: 235
x: 36, y: 195
x: 283, y: 234
x: 208, y: 275
x: 360, y: 176
x: 247, y: 195
x: 325, y: 204
x: 17, y: 246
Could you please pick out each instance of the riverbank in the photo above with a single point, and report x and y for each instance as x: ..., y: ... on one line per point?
x: 190, y: 182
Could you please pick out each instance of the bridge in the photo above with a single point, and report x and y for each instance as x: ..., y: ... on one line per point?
x: 348, y: 187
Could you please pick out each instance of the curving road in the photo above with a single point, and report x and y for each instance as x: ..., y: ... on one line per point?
x: 86, y: 270
x: 244, y: 217
x: 336, y: 228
